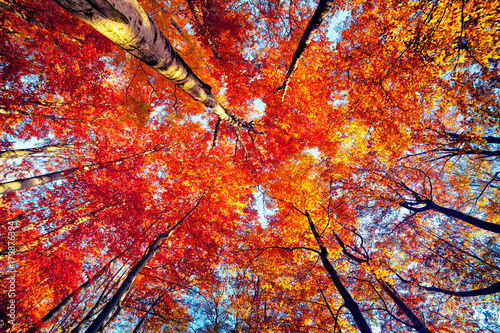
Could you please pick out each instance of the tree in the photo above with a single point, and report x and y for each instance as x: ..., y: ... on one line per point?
x: 367, y: 199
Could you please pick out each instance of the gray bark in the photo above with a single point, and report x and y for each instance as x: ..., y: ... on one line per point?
x: 21, y: 184
x: 417, y: 324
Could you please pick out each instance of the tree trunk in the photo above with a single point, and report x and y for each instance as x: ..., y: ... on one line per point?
x: 113, y: 317
x: 349, y: 302
x: 417, y: 324
x: 132, y: 275
x: 99, y: 302
x: 125, y: 23
x: 21, y: 184
x: 66, y: 301
x: 319, y: 15
x: 19, y: 153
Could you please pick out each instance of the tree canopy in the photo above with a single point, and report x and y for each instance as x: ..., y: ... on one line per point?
x: 263, y: 166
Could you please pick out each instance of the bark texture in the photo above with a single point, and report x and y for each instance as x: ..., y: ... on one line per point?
x: 125, y: 23
x: 21, y: 184
x: 417, y: 324
x: 319, y: 15
x: 493, y: 289
x: 349, y: 302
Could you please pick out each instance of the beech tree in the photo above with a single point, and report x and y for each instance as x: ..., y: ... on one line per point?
x: 235, y: 166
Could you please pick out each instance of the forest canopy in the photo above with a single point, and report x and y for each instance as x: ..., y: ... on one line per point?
x: 249, y: 166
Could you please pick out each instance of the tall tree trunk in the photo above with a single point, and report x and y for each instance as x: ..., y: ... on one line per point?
x: 141, y: 322
x: 21, y: 184
x: 125, y: 23
x: 349, y: 302
x: 417, y: 324
x: 319, y: 15
x: 90, y: 314
x: 132, y: 275
x: 99, y: 302
x: 113, y: 317
x: 19, y: 153
x: 66, y: 301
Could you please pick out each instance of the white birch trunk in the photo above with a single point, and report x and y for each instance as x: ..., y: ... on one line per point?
x: 20, y: 153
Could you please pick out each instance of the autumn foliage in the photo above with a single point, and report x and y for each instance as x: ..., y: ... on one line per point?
x: 299, y: 166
